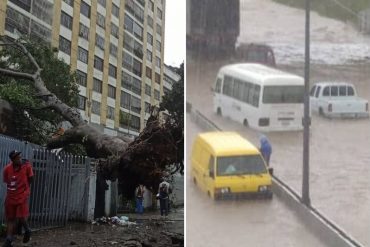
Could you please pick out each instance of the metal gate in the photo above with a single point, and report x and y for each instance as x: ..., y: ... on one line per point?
x: 60, y: 189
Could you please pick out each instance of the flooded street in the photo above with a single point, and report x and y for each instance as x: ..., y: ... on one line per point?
x: 240, y: 223
x: 339, y: 148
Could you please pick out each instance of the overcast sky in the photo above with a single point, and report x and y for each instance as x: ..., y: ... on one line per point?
x: 174, y: 51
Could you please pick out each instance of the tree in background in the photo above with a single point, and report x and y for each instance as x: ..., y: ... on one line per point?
x: 51, y: 89
x: 33, y: 121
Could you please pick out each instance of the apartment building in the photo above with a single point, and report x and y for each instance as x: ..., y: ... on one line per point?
x: 115, y: 46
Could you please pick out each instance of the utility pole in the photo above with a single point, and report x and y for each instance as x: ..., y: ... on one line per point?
x: 306, y: 119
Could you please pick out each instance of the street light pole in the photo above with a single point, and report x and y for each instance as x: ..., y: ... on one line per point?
x: 306, y: 120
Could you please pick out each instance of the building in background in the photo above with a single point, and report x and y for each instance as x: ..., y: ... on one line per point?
x: 115, y: 46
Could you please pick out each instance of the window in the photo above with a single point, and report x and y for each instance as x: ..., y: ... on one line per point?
x: 25, y: 4
x: 237, y: 89
x: 111, y: 92
x: 112, y: 71
x: 127, y: 61
x: 158, y: 45
x: 81, y: 104
x: 66, y: 20
x: 99, y: 41
x: 148, y: 90
x: 113, y: 50
x: 64, y: 45
x: 84, y: 31
x: 135, y: 122
x: 159, y: 13
x: 85, y: 9
x: 114, y: 30
x: 166, y: 90
x: 312, y: 92
x: 98, y: 63
x: 135, y: 104
x: 283, y: 94
x: 147, y: 107
x: 100, y: 20
x: 151, y: 5
x: 159, y: 29
x: 125, y: 100
x: 148, y: 72
x: 102, y: 2
x: 69, y: 2
x: 326, y: 91
x: 150, y: 21
x: 124, y: 119
x: 138, y: 12
x: 342, y: 91
x: 138, y: 31
x: 136, y: 86
x: 149, y: 38
x: 115, y: 10
x: 137, y: 68
x: 110, y: 112
x: 83, y: 55
x: 128, y: 42
x: 95, y: 107
x: 157, y: 78
x: 129, y: 23
x: 334, y: 91
x: 97, y: 85
x: 228, y: 85
x: 131, y: 83
x: 81, y: 78
x: 149, y: 55
x: 156, y: 94
x: 138, y: 50
x: 129, y: 4
x: 351, y: 91
x: 158, y: 62
x: 318, y: 91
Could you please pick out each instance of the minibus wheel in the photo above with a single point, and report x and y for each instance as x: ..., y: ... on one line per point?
x: 219, y: 111
x: 245, y: 123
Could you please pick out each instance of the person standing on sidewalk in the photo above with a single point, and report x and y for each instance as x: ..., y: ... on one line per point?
x: 18, y: 176
x: 139, y: 194
x: 163, y: 194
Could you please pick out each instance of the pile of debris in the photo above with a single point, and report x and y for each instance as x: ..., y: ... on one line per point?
x: 121, y: 221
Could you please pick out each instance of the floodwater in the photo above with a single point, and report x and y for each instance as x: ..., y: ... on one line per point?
x: 339, y: 148
x: 240, y: 223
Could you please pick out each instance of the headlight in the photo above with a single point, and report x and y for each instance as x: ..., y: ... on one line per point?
x: 222, y: 190
x: 264, y: 188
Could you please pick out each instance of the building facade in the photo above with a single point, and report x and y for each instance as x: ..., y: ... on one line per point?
x: 116, y: 48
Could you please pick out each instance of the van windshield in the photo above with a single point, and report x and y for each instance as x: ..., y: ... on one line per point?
x: 240, y: 165
x: 283, y: 94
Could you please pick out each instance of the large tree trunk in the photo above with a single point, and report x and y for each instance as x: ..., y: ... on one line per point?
x: 143, y: 160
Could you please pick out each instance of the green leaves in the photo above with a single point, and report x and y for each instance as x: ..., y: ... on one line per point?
x: 35, y: 123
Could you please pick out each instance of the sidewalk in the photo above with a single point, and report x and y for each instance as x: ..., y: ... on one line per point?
x: 176, y: 214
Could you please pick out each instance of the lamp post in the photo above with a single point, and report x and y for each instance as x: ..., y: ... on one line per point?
x: 306, y: 119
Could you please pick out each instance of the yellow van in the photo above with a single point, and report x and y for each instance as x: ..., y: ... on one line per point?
x: 225, y: 165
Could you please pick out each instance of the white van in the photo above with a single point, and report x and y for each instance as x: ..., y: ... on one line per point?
x: 261, y: 97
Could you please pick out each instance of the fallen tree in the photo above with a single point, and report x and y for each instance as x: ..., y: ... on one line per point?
x: 144, y: 160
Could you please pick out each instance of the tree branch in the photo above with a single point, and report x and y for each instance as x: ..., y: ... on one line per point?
x: 16, y: 74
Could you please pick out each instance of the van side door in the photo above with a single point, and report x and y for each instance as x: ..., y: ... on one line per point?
x: 211, y: 176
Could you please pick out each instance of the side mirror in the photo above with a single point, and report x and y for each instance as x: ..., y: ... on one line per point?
x: 271, y: 171
x: 212, y: 90
x: 212, y: 174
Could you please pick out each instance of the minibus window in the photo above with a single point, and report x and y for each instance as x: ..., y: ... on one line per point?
x: 218, y: 85
x: 240, y: 165
x: 283, y: 94
x: 351, y: 91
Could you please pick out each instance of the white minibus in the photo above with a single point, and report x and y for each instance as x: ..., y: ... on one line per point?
x: 260, y: 97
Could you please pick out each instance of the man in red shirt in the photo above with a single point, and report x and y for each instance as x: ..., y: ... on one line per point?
x: 18, y: 176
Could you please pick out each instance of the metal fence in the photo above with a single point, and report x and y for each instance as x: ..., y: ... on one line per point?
x: 61, y: 186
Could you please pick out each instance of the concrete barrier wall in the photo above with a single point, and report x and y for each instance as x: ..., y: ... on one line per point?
x: 320, y: 225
